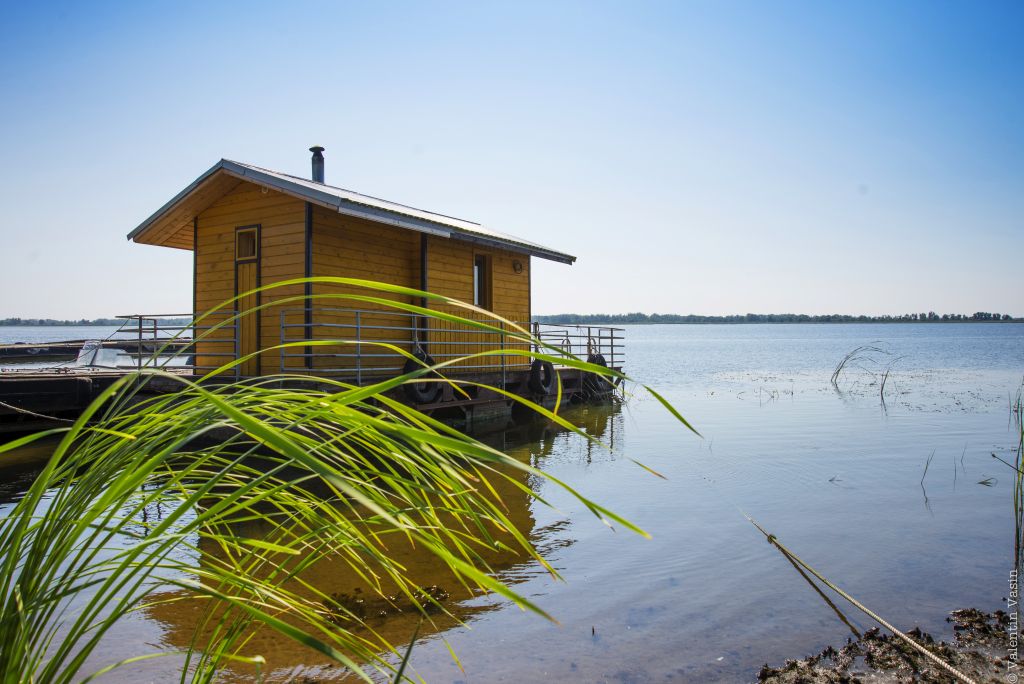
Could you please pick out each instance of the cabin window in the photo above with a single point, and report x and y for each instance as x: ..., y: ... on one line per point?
x: 245, y: 244
x: 480, y: 281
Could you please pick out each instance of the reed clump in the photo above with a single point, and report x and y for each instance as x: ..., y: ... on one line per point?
x: 872, y: 359
x: 1018, y: 490
x: 345, y: 474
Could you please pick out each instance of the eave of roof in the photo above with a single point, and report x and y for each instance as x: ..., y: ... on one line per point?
x: 354, y: 204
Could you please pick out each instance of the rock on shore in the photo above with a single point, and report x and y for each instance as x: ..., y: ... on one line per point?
x: 979, y: 651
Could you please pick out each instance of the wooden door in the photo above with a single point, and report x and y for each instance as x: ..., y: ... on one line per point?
x: 247, y: 278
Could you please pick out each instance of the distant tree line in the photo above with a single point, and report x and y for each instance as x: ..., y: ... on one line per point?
x: 595, y: 319
x: 86, y: 321
x: 930, y: 317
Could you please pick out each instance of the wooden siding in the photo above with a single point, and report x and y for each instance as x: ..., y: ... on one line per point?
x: 450, y: 272
x: 349, y: 247
x: 344, y: 246
x: 281, y: 257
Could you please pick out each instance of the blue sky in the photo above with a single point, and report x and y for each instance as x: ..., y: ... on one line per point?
x: 711, y: 158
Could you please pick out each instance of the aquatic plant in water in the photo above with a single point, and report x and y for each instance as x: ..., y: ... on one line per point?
x: 1017, y: 417
x: 347, y: 474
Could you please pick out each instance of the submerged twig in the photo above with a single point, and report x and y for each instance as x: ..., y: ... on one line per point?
x: 1018, y: 492
x: 822, y: 594
x: 926, y: 464
x: 885, y: 376
x: 1017, y: 467
x: 927, y: 504
x: 861, y: 352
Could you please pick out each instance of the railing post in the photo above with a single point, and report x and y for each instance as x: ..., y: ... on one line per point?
x: 139, y: 350
x: 308, y: 313
x: 502, y: 323
x: 359, y: 352
x: 283, y: 348
x: 238, y: 345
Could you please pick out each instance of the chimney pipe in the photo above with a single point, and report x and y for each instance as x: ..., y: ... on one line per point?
x: 318, y: 163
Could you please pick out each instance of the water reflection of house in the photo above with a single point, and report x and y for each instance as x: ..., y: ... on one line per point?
x: 334, y: 577
x: 250, y: 227
x: 529, y: 441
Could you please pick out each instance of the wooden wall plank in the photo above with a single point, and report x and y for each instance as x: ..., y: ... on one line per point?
x: 349, y: 247
x: 282, y: 222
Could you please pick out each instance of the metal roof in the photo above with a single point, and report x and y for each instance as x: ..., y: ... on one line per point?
x: 164, y: 224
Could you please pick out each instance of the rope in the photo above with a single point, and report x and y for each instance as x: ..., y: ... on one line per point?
x: 37, y: 415
x: 928, y: 654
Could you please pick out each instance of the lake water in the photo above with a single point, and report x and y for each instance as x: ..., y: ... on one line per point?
x: 32, y: 334
x: 836, y: 474
x: 42, y: 334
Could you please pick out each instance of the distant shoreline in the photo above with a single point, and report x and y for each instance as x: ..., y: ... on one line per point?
x: 752, y: 323
x: 765, y: 319
x: 619, y: 319
x: 53, y: 323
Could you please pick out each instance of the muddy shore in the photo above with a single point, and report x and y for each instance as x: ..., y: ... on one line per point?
x: 980, y: 650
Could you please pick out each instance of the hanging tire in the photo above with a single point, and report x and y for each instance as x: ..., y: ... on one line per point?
x: 421, y: 392
x: 542, y: 377
x: 593, y: 382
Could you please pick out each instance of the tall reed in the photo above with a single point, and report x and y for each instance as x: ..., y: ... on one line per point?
x: 1018, y: 490
x: 347, y: 473
x: 859, y: 356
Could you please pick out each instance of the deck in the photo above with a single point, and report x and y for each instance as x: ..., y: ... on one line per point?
x: 68, y: 350
x: 355, y: 347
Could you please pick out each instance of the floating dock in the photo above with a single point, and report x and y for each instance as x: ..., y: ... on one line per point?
x: 43, y: 399
x: 33, y: 400
x: 68, y: 350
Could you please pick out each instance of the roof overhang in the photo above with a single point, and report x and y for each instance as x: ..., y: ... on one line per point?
x: 171, y: 225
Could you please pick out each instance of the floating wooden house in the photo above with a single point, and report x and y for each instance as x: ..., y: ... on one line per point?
x: 250, y: 227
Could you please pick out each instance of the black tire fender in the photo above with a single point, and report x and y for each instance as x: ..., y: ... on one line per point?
x: 593, y: 382
x: 421, y: 392
x: 542, y: 377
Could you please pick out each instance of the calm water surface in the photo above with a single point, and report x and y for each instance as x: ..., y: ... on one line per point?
x: 42, y: 334
x: 836, y: 475
x: 32, y: 334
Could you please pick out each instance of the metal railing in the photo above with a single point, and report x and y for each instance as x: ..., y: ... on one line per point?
x: 361, y: 335
x: 153, y: 332
x: 354, y: 343
x: 585, y: 341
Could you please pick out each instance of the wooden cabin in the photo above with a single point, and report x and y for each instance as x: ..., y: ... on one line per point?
x: 249, y: 227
